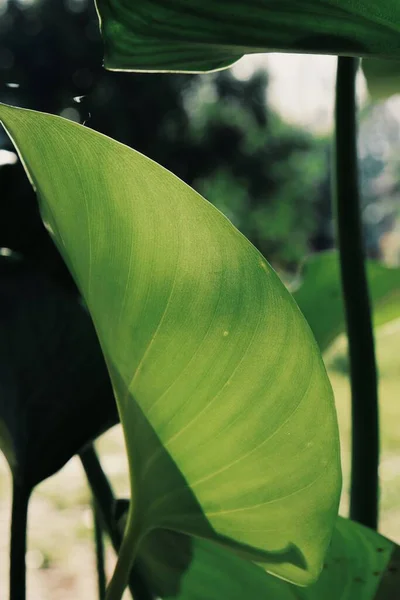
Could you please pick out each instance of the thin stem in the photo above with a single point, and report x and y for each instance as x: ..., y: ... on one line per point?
x: 365, y: 419
x: 100, y: 558
x: 106, y: 504
x: 126, y: 558
x: 19, y: 521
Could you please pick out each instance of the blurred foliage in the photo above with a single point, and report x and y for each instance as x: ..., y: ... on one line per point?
x: 266, y: 175
x: 214, y: 131
x: 378, y: 150
x: 379, y: 172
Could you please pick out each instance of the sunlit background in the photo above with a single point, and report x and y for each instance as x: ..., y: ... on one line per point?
x: 255, y: 141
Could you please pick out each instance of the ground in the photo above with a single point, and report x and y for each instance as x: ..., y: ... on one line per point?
x: 60, y: 559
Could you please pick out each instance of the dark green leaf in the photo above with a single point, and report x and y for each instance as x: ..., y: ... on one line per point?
x: 204, y: 35
x: 55, y: 394
x: 383, y: 77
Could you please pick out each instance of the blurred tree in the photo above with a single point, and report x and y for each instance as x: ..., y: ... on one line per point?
x: 378, y: 149
x: 214, y: 131
x: 379, y: 176
x: 264, y: 174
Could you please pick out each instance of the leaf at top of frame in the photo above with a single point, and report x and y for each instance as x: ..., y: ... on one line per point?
x: 227, y: 410
x: 205, y: 35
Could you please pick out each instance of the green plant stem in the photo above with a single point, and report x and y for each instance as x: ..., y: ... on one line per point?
x: 126, y: 558
x: 363, y: 373
x: 19, y: 521
x: 106, y: 504
x: 100, y: 558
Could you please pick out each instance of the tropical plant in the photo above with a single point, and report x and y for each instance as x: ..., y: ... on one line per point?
x: 227, y: 411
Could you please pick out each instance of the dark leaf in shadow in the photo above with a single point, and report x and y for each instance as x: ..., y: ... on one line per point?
x: 55, y: 391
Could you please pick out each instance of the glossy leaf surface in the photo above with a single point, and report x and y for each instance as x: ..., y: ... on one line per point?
x: 204, y: 35
x: 320, y: 298
x: 226, y: 406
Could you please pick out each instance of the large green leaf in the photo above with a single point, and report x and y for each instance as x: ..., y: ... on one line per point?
x: 204, y: 35
x: 226, y: 406
x: 55, y: 393
x: 383, y: 77
x: 320, y: 297
x: 360, y: 565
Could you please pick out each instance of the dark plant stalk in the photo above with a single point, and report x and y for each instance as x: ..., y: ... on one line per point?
x: 106, y: 503
x: 363, y: 372
x: 100, y: 558
x: 19, y: 521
